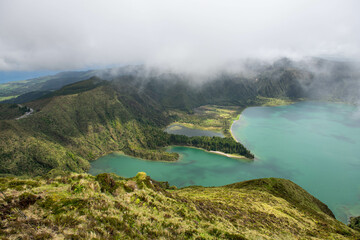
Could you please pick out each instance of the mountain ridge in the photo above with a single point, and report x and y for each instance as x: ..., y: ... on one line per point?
x: 313, y: 78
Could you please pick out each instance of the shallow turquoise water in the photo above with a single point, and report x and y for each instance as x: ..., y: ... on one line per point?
x: 316, y: 145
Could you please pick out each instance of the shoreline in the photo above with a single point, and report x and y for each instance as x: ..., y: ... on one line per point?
x: 229, y: 155
x: 239, y: 116
x: 233, y: 121
x: 199, y: 128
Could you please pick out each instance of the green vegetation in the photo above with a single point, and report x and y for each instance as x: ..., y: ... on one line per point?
x: 271, y: 102
x: 12, y: 111
x: 209, y: 117
x: 66, y: 131
x: 226, y: 145
x: 7, y: 98
x: 81, y: 206
x: 355, y: 223
x: 219, y: 118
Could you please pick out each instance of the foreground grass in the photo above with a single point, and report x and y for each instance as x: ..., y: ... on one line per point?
x: 81, y: 206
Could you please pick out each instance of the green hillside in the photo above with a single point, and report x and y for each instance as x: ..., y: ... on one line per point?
x: 11, y: 111
x: 66, y: 131
x: 83, y: 121
x: 107, y: 206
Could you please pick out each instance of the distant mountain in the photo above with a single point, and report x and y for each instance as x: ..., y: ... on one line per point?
x: 313, y: 78
x: 31, y: 89
x: 46, y: 83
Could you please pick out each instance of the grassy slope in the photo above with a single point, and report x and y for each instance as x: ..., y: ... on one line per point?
x: 109, y: 207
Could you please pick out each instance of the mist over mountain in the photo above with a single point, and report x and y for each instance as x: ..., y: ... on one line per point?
x: 311, y: 78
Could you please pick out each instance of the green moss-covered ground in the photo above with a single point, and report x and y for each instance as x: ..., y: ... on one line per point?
x: 81, y: 206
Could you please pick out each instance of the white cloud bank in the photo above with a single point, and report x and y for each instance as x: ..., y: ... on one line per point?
x: 189, y: 35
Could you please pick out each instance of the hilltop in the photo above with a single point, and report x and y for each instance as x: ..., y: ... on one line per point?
x: 81, y: 206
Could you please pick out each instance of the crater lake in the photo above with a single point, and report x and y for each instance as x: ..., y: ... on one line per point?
x: 314, y: 144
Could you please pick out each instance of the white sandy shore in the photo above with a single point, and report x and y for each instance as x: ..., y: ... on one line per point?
x: 228, y: 155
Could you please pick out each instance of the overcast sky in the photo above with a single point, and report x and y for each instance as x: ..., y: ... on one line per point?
x: 68, y: 34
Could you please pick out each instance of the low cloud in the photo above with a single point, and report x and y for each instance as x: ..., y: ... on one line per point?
x: 193, y: 36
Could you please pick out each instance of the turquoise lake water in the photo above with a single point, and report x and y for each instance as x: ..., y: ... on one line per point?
x: 316, y: 145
